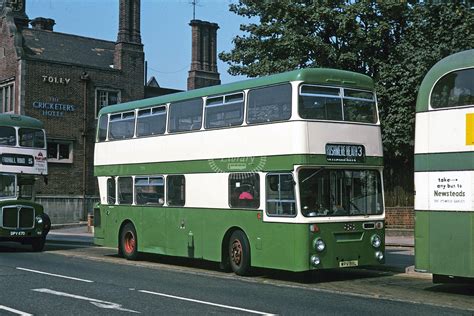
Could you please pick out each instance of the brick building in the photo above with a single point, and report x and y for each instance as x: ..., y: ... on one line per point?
x: 64, y: 80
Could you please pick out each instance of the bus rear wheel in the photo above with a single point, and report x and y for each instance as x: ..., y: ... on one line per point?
x: 129, y: 242
x: 239, y: 253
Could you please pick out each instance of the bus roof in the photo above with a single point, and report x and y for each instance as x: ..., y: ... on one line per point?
x: 322, y: 76
x: 20, y: 121
x: 461, y: 60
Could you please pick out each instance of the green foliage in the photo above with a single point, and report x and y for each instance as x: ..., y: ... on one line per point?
x: 395, y: 42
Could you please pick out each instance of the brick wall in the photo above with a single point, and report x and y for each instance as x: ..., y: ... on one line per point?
x: 66, y: 179
x: 400, y: 217
x: 8, y: 54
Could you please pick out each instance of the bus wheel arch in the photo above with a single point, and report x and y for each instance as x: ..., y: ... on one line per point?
x: 128, y: 241
x: 236, y: 252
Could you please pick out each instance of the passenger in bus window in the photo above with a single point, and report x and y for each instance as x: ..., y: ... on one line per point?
x: 246, y: 193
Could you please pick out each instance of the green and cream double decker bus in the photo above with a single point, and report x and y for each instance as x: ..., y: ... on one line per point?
x: 22, y: 162
x: 281, y: 172
x: 444, y: 170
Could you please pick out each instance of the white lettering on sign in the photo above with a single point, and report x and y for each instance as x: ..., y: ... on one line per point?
x: 56, y: 80
x: 53, y: 109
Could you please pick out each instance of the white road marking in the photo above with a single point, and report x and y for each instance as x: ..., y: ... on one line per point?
x: 93, y: 301
x: 206, y: 303
x: 14, y: 311
x: 55, y: 275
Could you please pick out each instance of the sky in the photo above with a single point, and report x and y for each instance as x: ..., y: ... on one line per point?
x: 165, y: 30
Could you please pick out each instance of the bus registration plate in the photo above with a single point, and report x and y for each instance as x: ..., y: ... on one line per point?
x: 17, y: 233
x: 346, y: 264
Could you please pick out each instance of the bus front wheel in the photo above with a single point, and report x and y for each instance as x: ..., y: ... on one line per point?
x: 38, y: 244
x: 128, y: 242
x: 239, y: 253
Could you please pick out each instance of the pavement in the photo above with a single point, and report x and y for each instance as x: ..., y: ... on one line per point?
x: 74, y: 233
x: 80, y: 234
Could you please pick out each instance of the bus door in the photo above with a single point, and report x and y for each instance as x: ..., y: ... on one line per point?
x: 150, y: 200
x: 185, y: 224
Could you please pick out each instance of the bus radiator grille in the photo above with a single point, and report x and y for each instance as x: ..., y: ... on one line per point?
x: 15, y: 217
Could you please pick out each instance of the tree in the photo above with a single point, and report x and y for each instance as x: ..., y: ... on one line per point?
x: 394, y: 42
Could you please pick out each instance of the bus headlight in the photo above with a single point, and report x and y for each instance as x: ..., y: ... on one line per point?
x: 39, y: 219
x: 375, y: 241
x: 379, y: 255
x: 319, y: 245
x: 315, y: 261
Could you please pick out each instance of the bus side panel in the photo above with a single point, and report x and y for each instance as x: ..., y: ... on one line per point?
x: 184, y: 232
x: 153, y: 233
x: 272, y: 245
x: 218, y: 222
x: 452, y: 243
x: 284, y: 246
x: 115, y: 216
x: 422, y: 241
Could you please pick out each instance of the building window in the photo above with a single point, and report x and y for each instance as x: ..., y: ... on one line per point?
x: 105, y: 97
x: 7, y: 98
x: 60, y: 151
x: 244, y: 190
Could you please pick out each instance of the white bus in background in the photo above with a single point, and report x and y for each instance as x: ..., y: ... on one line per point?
x: 23, y: 161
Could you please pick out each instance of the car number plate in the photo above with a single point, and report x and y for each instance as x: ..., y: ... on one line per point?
x: 20, y: 233
x: 346, y: 264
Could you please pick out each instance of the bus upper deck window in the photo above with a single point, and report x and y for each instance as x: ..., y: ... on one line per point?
x: 269, y: 104
x: 224, y: 111
x: 320, y: 103
x: 454, y: 89
x: 7, y: 136
x: 151, y: 121
x: 359, y: 106
x: 122, y: 125
x: 102, y: 134
x: 185, y: 116
x: 30, y: 137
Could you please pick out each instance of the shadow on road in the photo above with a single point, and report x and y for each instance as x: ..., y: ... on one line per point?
x: 458, y: 289
x: 13, y: 247
x: 309, y: 277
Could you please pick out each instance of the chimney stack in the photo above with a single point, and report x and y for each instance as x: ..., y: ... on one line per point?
x: 129, y: 22
x: 129, y: 57
x: 203, y: 71
x: 129, y: 47
x: 18, y: 11
x: 43, y: 24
